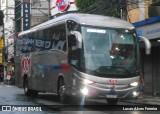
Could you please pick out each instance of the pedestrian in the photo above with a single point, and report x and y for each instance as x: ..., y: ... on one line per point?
x: 9, y: 77
x: 141, y: 88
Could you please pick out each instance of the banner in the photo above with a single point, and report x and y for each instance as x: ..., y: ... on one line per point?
x: 24, y: 45
x: 26, y: 14
x: 38, y: 108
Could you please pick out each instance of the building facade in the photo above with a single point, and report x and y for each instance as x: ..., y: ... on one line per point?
x: 147, y: 23
x: 150, y: 29
x: 39, y: 11
x: 30, y: 13
x: 7, y: 6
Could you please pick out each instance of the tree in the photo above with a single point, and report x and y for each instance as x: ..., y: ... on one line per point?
x: 83, y: 4
x: 102, y: 7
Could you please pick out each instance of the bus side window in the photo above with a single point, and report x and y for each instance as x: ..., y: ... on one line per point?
x: 73, y: 50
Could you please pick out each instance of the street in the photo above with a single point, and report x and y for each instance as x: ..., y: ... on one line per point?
x: 103, y: 51
x: 13, y: 96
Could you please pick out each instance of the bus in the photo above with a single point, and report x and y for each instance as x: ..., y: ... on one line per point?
x: 81, y: 56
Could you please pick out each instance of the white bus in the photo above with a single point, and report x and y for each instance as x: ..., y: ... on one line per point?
x: 79, y: 55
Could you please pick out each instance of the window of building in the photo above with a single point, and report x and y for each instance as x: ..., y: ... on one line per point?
x: 133, y: 4
x: 3, y: 1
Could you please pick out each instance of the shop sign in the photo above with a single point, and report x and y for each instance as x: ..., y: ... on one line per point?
x: 26, y: 14
x: 62, y: 6
x: 150, y: 31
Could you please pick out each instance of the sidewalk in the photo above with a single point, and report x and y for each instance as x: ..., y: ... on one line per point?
x: 147, y: 100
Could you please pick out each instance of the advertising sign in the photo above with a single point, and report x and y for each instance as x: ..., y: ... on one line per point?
x: 26, y: 65
x: 26, y: 14
x: 1, y: 59
x: 150, y: 31
x: 1, y: 43
x: 31, y: 44
x: 62, y: 6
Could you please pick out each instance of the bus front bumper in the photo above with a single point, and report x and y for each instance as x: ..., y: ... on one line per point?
x: 93, y: 92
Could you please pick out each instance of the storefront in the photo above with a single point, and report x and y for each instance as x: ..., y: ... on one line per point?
x: 150, y: 29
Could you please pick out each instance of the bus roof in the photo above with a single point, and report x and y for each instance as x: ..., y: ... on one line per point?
x: 84, y: 19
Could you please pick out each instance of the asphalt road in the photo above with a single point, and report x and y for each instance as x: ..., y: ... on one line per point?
x: 14, y: 97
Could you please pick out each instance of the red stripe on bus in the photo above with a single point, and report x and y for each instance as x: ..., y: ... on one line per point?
x: 65, y: 67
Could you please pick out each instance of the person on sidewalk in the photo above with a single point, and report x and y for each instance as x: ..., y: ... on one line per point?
x: 9, y: 77
x: 141, y: 88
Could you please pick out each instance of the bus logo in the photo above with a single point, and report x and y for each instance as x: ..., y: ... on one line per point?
x: 26, y: 65
x: 62, y: 5
x: 113, y: 81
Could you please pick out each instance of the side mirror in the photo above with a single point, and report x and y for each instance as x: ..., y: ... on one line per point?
x: 78, y: 38
x: 147, y: 44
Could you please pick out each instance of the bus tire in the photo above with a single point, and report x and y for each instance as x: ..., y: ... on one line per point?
x: 61, y: 91
x: 27, y: 91
x: 112, y: 101
x: 34, y: 93
x: 77, y: 100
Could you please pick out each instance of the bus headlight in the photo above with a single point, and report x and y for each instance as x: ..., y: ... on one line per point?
x: 134, y: 84
x: 84, y: 91
x: 86, y: 81
x: 135, y: 93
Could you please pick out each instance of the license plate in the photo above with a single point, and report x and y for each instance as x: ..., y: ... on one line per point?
x: 111, y: 96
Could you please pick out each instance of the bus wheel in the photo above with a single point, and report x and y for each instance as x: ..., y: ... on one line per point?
x: 77, y: 100
x: 27, y: 91
x: 112, y: 101
x: 34, y: 93
x: 61, y: 91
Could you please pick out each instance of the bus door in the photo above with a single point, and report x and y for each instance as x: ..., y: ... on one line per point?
x: 73, y: 57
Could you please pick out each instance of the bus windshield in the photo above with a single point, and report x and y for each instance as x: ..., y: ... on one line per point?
x: 108, y: 51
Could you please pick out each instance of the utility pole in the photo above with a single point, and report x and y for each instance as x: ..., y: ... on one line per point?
x: 0, y: 4
x: 124, y: 9
x: 49, y: 9
x: 7, y: 10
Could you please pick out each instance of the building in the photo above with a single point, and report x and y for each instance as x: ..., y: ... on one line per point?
x: 138, y: 10
x: 39, y: 11
x: 29, y: 13
x: 18, y: 15
x: 7, y: 6
x: 146, y: 18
